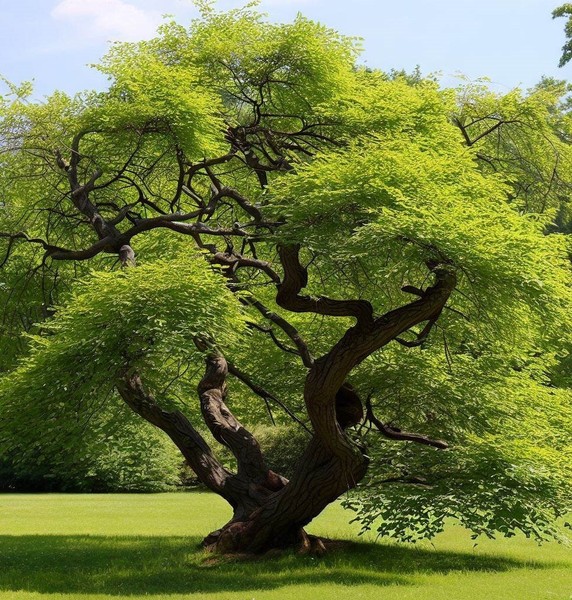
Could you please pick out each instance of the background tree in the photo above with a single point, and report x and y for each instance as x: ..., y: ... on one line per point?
x: 342, y: 243
x: 565, y: 10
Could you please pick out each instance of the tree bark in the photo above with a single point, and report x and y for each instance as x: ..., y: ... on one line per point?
x: 320, y: 477
x: 268, y: 510
x: 332, y: 464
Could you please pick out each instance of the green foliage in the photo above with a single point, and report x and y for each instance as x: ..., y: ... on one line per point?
x: 509, y: 475
x: 96, y: 450
x: 418, y: 196
x: 565, y: 10
x: 282, y: 446
x: 292, y: 68
x: 148, y: 317
x: 376, y: 176
x: 524, y: 138
x: 146, y: 92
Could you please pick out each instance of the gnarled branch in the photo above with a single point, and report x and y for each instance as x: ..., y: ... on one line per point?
x: 226, y: 429
x: 330, y: 371
x: 192, y: 445
x: 296, y: 278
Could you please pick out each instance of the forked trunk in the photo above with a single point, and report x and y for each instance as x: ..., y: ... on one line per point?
x: 280, y: 519
x: 268, y: 510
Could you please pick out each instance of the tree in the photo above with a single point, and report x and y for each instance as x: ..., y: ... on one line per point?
x: 244, y: 196
x: 565, y: 10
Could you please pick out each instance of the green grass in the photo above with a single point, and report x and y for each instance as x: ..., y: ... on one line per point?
x: 63, y: 547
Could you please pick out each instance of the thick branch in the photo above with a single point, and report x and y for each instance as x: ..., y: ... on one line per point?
x: 296, y: 278
x: 180, y: 227
x: 80, y: 192
x: 243, y: 203
x: 225, y: 428
x: 103, y: 245
x: 49, y: 248
x: 179, y: 429
x: 114, y: 243
x: 195, y: 168
x: 330, y: 371
x: 422, y: 336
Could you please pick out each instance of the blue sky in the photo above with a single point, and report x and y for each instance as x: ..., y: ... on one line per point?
x: 513, y: 42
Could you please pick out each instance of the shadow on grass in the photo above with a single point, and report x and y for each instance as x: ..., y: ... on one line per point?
x: 174, y: 565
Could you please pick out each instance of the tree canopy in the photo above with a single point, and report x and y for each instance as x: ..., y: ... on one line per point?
x: 380, y: 261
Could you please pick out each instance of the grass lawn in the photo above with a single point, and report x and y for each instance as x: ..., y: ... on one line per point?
x: 56, y: 547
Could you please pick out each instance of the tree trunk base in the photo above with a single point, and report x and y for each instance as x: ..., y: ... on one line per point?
x: 236, y: 538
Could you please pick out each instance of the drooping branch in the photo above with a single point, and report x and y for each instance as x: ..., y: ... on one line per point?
x: 394, y: 433
x: 181, y: 227
x: 104, y: 245
x: 114, y: 243
x: 21, y: 235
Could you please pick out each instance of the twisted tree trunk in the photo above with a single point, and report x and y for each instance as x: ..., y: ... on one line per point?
x: 320, y: 478
x: 268, y: 510
x: 332, y: 463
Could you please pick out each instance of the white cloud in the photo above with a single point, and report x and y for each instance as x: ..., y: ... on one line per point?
x: 109, y: 19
